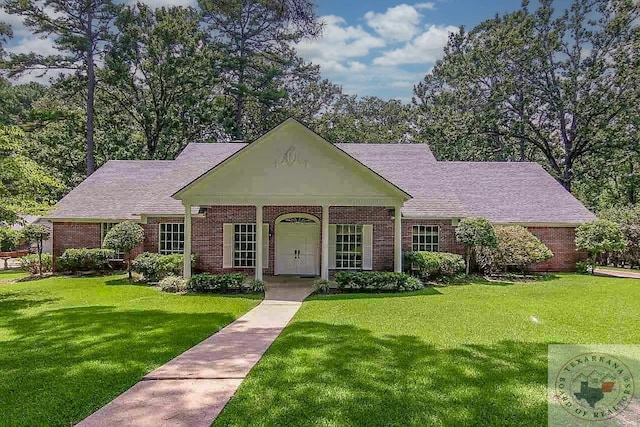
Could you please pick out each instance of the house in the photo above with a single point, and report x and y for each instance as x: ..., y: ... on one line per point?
x: 292, y: 203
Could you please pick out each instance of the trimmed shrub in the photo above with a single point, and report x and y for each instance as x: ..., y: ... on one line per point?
x: 31, y: 263
x: 376, y: 281
x: 216, y: 282
x: 154, y: 266
x: 255, y: 286
x: 321, y: 286
x: 85, y: 260
x: 517, y: 249
x: 124, y: 237
x: 173, y: 283
x: 582, y: 267
x: 433, y: 265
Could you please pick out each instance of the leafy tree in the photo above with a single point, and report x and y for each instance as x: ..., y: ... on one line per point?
x: 124, y: 237
x: 517, y: 248
x: 254, y: 38
x: 80, y: 30
x: 158, y: 73
x: 25, y: 187
x: 16, y: 101
x: 628, y: 218
x: 36, y: 233
x: 9, y: 239
x: 599, y: 237
x: 538, y: 85
x: 475, y: 234
x: 5, y: 34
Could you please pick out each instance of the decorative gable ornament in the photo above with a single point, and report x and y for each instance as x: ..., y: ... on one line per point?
x: 290, y: 158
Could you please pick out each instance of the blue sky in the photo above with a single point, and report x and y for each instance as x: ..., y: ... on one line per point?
x: 377, y: 47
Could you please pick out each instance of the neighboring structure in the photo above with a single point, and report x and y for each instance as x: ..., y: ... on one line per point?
x: 47, y: 245
x: 293, y: 203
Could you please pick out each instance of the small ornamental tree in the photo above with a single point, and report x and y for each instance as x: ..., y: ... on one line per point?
x: 36, y: 233
x: 124, y: 237
x: 475, y: 234
x: 599, y: 237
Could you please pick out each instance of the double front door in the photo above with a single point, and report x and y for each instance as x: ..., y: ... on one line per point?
x: 297, y: 248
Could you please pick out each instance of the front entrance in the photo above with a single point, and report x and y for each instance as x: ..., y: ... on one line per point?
x: 297, y: 245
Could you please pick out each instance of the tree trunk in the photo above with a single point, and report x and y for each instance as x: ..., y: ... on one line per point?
x: 567, y: 173
x: 91, y: 88
x: 468, y: 253
x: 129, y: 266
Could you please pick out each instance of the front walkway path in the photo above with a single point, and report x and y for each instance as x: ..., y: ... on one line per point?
x: 603, y: 271
x: 193, y: 388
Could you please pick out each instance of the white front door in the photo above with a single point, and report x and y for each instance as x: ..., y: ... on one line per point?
x: 297, y: 248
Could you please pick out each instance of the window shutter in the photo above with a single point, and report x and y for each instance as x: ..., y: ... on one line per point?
x: 332, y: 246
x: 367, y: 247
x: 227, y: 245
x: 265, y: 245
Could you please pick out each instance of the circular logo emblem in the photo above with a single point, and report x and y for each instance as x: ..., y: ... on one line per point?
x: 594, y: 386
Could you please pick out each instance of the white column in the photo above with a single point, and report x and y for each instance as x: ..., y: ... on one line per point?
x: 324, y: 272
x: 397, y: 240
x: 187, y: 242
x: 259, y: 242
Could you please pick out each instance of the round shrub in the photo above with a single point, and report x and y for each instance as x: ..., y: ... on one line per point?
x: 173, y: 283
x: 433, y: 265
x: 153, y: 266
x: 9, y: 239
x: 255, y: 286
x: 321, y: 286
x: 219, y: 283
x: 517, y: 249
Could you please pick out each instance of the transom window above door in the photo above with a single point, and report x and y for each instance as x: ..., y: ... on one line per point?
x: 298, y: 220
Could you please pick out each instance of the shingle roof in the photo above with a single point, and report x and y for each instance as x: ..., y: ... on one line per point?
x: 504, y: 192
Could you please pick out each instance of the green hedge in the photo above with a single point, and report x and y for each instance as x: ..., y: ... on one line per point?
x: 155, y: 267
x: 206, y: 282
x: 85, y: 260
x: 31, y: 263
x: 433, y: 265
x: 375, y: 281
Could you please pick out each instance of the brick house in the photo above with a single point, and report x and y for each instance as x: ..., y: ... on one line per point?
x: 292, y: 203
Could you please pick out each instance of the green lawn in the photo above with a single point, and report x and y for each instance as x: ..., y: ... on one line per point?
x: 461, y: 355
x: 7, y: 276
x: 70, y: 345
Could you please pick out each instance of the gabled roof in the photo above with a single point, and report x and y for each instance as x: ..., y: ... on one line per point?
x: 503, y: 192
x: 304, y: 134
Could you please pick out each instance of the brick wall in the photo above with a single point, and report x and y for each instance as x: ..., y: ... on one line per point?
x: 561, y: 241
x: 207, y: 235
x: 74, y: 235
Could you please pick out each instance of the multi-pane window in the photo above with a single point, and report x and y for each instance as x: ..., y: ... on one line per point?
x: 244, y: 241
x: 171, y: 238
x: 426, y: 238
x: 348, y: 246
x: 106, y: 226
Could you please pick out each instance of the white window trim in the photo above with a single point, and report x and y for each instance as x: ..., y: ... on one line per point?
x: 338, y: 251
x: 119, y: 256
x: 437, y: 234
x: 255, y: 243
x: 160, y: 238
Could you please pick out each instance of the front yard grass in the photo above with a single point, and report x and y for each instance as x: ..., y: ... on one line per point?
x: 70, y: 345
x: 7, y: 276
x: 462, y: 355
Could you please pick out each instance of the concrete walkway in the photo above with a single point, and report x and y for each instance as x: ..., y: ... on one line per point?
x: 193, y: 388
x: 616, y: 273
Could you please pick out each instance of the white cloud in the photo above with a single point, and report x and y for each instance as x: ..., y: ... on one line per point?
x: 338, y: 43
x: 33, y: 44
x: 425, y: 48
x: 398, y: 23
x: 428, y: 5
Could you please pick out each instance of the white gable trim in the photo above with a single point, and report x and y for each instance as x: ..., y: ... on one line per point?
x: 394, y: 192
